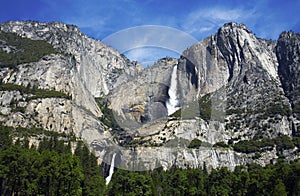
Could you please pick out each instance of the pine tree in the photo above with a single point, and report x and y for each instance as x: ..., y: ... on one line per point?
x: 279, y: 189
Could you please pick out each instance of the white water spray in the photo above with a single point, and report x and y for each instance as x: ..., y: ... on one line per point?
x: 111, y: 169
x: 172, y: 103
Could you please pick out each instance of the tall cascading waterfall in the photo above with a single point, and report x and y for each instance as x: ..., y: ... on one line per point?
x: 111, y: 169
x: 173, y: 102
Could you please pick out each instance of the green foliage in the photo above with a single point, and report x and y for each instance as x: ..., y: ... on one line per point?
x: 257, y: 155
x: 53, y: 170
x: 250, y: 146
x: 271, y: 111
x: 296, y: 141
x: 279, y: 189
x: 53, y: 144
x: 195, y: 143
x: 41, y: 93
x: 205, y: 107
x: 282, y: 142
x: 35, y: 131
x: 221, y: 144
x: 220, y: 182
x: 296, y: 108
x: 50, y: 170
x: 189, y: 112
x: 108, y: 116
x: 19, y: 109
x: 280, y: 179
x: 37, y: 93
x: 93, y: 183
x: 176, y: 114
x: 25, y: 50
x: 275, y: 109
x: 6, y: 139
x: 130, y: 183
x: 26, y: 171
x: 177, y: 142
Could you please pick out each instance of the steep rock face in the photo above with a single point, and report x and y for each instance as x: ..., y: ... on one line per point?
x: 183, y: 158
x: 52, y: 114
x: 100, y: 67
x: 143, y: 99
x: 245, y: 100
x: 55, y: 93
x: 222, y: 57
x: 230, y: 91
x: 195, y: 158
x: 288, y: 54
x: 240, y: 72
x: 54, y: 72
x: 228, y: 88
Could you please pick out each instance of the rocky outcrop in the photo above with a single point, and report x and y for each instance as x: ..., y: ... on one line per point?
x: 100, y: 67
x: 54, y: 72
x: 288, y: 52
x: 52, y: 114
x: 223, y: 57
x: 240, y: 71
x: 233, y: 77
x: 144, y: 98
x: 230, y: 87
x: 237, y: 69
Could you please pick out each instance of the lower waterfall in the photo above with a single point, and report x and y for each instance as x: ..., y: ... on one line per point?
x: 111, y: 169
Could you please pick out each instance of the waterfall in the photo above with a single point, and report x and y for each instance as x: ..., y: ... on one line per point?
x: 111, y: 169
x: 172, y: 102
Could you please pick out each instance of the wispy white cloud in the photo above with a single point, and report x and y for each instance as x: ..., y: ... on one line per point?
x: 207, y: 20
x: 218, y: 14
x: 266, y: 18
x: 150, y: 42
x: 150, y: 35
x: 147, y: 56
x: 100, y: 18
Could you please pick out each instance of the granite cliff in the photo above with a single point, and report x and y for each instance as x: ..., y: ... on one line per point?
x: 230, y: 99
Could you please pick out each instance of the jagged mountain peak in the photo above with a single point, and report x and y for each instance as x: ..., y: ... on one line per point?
x: 42, y: 30
x: 38, y: 25
x: 234, y: 26
x: 101, y: 68
x: 233, y: 63
x: 288, y: 35
x: 227, y: 55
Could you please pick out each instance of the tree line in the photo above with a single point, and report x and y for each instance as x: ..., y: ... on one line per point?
x: 52, y: 169
x: 49, y: 169
x: 280, y: 179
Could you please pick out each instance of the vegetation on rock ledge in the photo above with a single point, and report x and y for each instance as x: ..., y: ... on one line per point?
x: 37, y: 92
x: 22, y: 50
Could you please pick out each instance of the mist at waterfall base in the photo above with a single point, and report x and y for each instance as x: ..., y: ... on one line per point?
x: 173, y: 102
x: 111, y: 169
x: 147, y: 56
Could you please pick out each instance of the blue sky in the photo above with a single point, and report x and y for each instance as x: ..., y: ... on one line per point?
x: 101, y: 18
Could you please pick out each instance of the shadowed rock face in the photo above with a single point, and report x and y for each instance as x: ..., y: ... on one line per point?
x: 231, y: 86
x: 288, y: 53
x: 240, y: 74
x: 144, y: 98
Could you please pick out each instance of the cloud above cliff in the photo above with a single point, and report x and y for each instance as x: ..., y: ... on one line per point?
x: 100, y: 19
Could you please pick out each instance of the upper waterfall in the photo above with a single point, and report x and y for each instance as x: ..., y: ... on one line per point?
x: 173, y: 102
